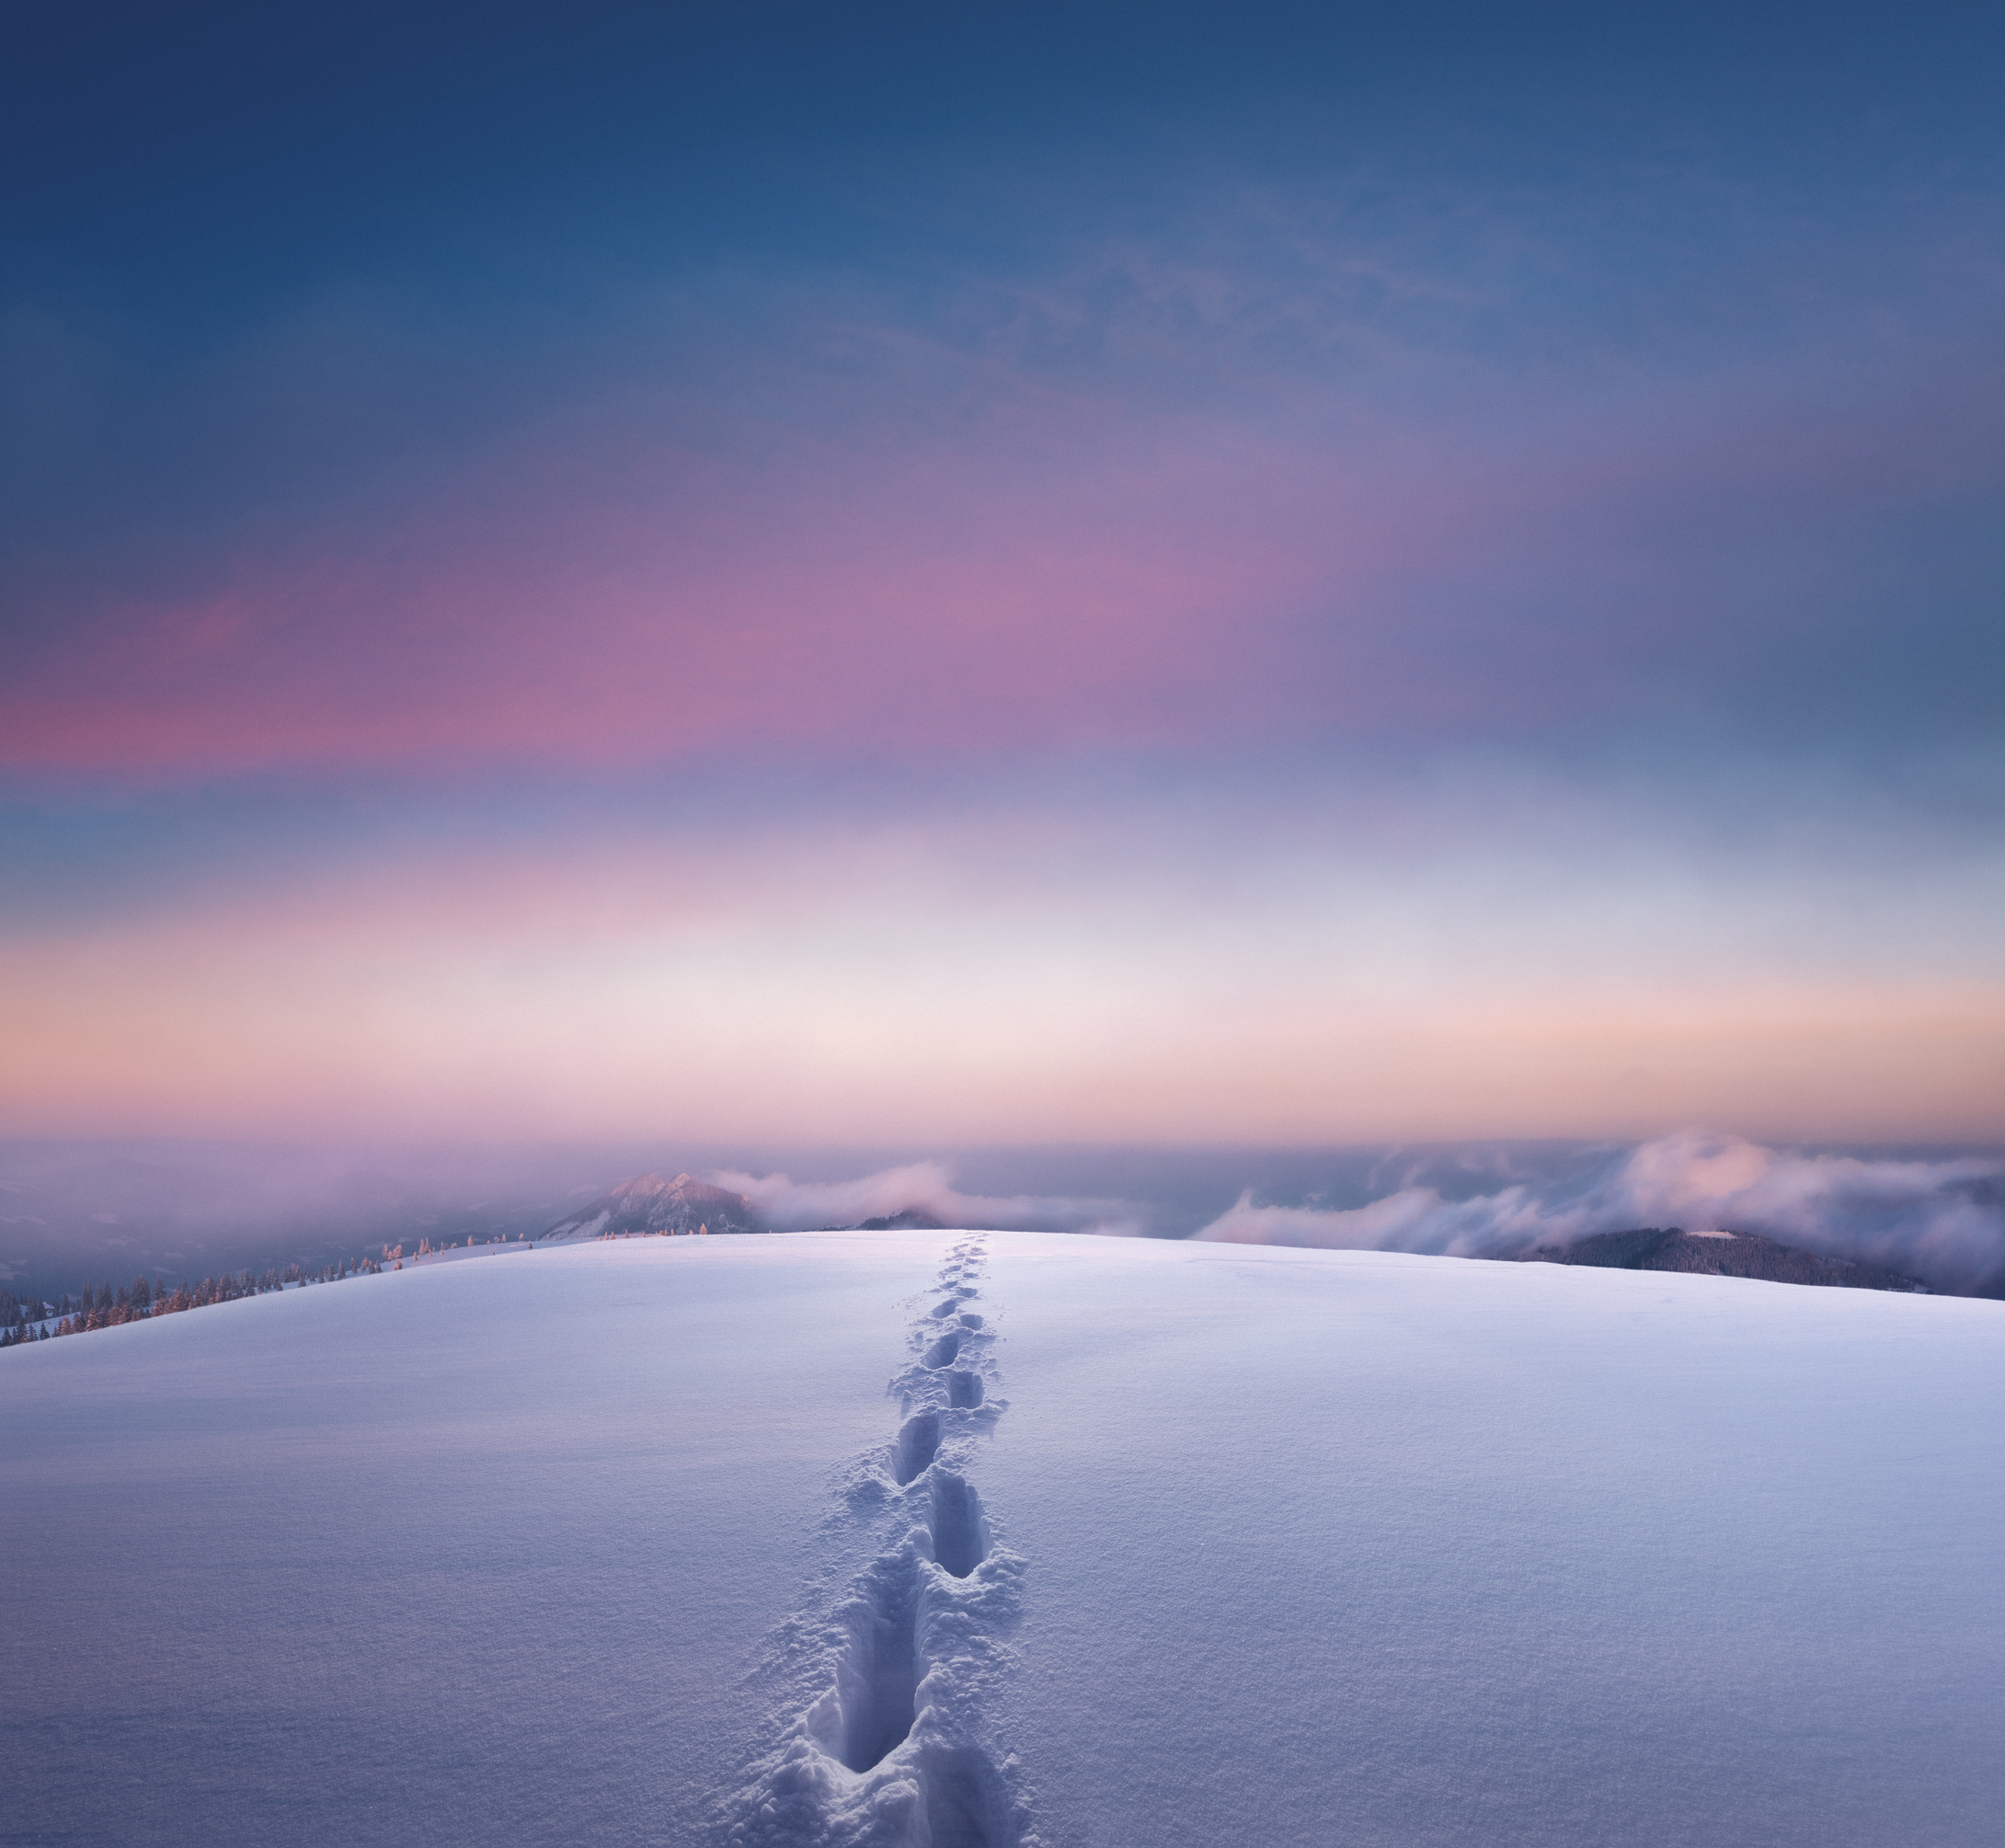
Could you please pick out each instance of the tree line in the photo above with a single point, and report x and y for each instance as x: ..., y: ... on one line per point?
x: 103, y: 1306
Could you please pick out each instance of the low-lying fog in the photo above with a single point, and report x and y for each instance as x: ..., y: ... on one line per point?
x: 71, y: 1212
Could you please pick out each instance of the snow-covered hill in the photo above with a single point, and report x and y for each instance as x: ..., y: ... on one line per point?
x: 1003, y: 1538
x: 1722, y: 1253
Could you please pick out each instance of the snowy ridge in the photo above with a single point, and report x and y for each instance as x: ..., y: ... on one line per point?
x: 649, y: 1204
x: 881, y: 1732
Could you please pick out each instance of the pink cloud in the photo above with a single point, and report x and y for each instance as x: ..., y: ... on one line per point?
x: 1047, y: 574
x: 956, y: 600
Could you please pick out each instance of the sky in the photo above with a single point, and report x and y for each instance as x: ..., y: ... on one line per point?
x: 923, y: 578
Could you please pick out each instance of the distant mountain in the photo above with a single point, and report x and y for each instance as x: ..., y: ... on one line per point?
x: 648, y: 1203
x: 1719, y: 1254
x: 907, y: 1218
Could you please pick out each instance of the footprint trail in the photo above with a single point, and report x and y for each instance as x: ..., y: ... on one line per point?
x: 882, y: 1735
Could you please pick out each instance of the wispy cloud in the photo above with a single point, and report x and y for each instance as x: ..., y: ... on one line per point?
x: 793, y: 1205
x: 1943, y: 1220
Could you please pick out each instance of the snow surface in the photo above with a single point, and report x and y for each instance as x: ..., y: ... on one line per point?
x: 1144, y: 1543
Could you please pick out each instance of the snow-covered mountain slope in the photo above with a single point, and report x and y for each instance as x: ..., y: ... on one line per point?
x: 997, y: 1538
x: 649, y: 1204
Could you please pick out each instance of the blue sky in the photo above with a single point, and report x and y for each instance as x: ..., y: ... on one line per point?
x: 1001, y: 574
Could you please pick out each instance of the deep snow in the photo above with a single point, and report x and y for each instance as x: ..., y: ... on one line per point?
x: 1008, y: 1538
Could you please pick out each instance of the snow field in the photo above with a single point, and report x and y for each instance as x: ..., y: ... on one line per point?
x: 1140, y: 1544
x: 472, y: 1554
x: 1373, y: 1549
